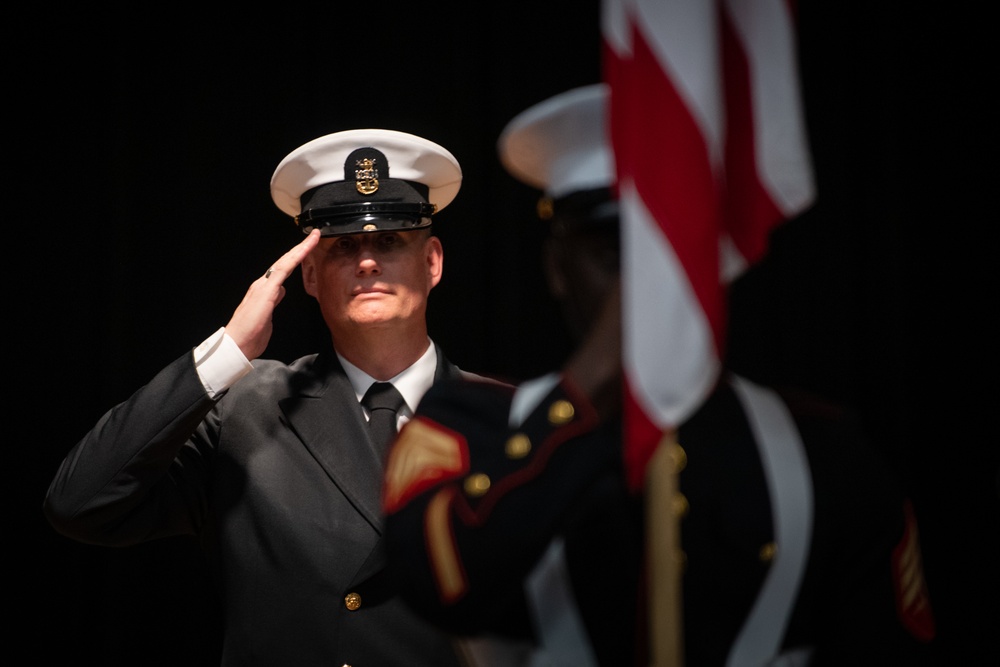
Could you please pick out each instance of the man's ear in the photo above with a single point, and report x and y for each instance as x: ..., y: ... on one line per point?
x: 435, y: 260
x: 309, y: 275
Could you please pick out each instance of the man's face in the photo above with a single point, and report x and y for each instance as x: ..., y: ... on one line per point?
x: 375, y: 279
x: 582, y: 267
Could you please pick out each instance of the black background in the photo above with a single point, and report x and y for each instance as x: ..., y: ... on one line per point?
x: 140, y: 147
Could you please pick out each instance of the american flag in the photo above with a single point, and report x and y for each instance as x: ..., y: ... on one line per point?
x: 711, y: 154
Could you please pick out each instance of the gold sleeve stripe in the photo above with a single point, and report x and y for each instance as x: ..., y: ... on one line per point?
x: 912, y: 601
x: 441, y: 550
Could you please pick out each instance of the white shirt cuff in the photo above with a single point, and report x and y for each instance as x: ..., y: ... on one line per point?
x: 220, y: 363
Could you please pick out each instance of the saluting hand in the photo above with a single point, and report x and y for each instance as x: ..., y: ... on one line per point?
x: 250, y: 326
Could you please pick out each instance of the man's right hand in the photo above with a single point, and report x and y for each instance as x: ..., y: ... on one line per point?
x: 251, y: 324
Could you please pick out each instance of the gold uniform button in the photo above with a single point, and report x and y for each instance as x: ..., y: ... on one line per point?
x: 477, y: 485
x: 517, y: 446
x: 545, y: 208
x: 679, y: 456
x: 680, y: 505
x: 352, y: 601
x: 768, y: 552
x: 561, y: 412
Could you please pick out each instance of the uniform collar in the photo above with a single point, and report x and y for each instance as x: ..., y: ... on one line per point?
x: 412, y: 383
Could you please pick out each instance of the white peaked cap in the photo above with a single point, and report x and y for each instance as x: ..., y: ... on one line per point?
x: 561, y: 144
x: 322, y: 161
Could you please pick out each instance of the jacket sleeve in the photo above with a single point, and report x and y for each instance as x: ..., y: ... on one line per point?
x: 864, y: 591
x: 138, y: 474
x: 472, y: 502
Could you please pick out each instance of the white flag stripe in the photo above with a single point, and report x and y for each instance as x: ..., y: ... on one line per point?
x: 616, y: 27
x: 783, y: 162
x: 732, y: 263
x: 668, y: 353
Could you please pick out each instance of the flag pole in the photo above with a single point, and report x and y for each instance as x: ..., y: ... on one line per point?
x: 664, y: 555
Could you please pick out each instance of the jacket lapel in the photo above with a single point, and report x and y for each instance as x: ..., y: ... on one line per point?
x: 329, y: 421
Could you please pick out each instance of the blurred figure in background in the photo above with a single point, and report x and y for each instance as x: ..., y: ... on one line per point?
x: 509, y: 520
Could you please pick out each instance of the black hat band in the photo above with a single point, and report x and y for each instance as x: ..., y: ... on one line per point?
x: 366, y: 217
x: 593, y: 208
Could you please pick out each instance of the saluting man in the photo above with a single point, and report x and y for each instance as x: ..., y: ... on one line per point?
x: 277, y: 468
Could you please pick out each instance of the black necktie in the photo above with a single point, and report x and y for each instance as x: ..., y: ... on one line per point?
x: 382, y: 400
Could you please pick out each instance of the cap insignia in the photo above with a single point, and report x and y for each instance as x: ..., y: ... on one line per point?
x: 366, y: 176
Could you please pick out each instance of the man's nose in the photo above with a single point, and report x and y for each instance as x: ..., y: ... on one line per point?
x: 368, y: 261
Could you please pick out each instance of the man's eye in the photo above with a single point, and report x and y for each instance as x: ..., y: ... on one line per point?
x: 346, y: 244
x: 387, y: 241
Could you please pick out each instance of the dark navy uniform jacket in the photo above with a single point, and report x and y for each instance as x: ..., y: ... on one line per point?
x: 279, y: 482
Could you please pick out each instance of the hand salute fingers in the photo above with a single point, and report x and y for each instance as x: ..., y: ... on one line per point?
x: 283, y: 268
x: 250, y: 325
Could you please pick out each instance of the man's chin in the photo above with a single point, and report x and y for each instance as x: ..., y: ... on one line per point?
x: 372, y: 317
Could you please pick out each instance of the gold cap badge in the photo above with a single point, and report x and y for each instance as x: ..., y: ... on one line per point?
x: 366, y: 176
